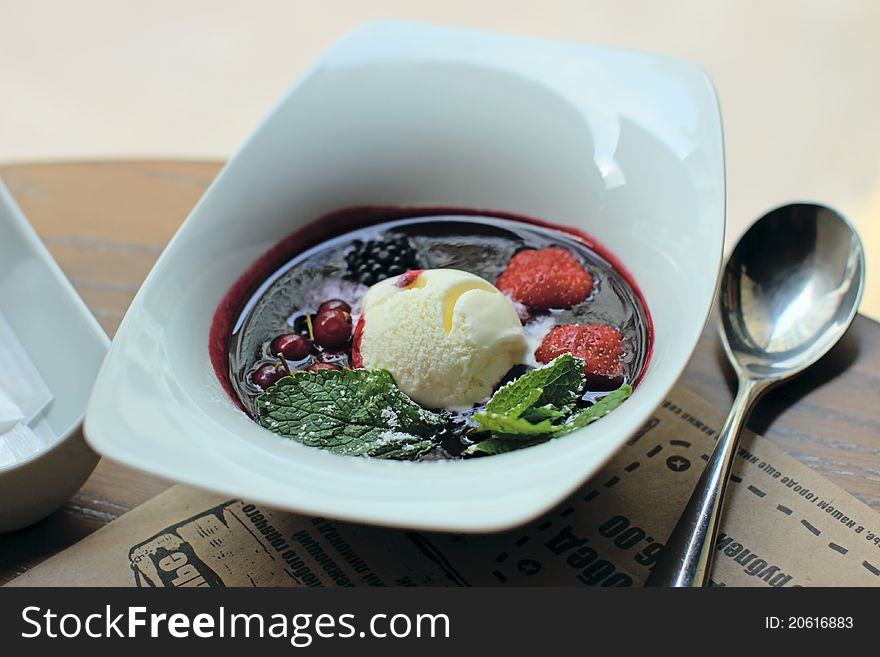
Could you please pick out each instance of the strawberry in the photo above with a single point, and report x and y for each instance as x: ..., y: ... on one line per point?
x: 546, y: 278
x: 357, y: 361
x: 600, y: 346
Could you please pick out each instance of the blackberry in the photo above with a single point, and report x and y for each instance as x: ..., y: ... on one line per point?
x: 388, y: 254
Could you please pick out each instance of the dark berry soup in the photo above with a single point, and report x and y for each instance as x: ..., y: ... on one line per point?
x: 440, y: 336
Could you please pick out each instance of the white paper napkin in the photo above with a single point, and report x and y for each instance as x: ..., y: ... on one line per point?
x: 20, y: 380
x: 10, y: 413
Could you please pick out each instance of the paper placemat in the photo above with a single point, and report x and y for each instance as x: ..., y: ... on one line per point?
x: 784, y: 525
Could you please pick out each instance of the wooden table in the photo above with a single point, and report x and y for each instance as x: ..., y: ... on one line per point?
x: 106, y: 224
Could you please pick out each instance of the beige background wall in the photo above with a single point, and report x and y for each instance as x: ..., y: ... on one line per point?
x: 799, y: 80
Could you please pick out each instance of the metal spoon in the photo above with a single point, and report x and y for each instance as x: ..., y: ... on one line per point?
x: 788, y: 293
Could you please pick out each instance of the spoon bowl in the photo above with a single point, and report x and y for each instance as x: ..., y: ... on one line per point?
x: 788, y: 293
x: 790, y: 290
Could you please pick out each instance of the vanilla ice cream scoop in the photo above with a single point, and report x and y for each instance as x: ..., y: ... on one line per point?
x: 446, y: 336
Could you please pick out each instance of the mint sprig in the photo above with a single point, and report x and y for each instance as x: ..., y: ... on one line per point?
x: 352, y: 412
x: 558, y: 385
x: 540, y: 405
x: 529, y: 405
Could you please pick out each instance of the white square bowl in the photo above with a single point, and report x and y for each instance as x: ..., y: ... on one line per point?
x: 66, y: 344
x: 625, y: 146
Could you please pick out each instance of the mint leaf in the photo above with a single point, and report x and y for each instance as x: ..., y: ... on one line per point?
x: 558, y: 384
x: 528, y: 399
x: 512, y: 426
x: 601, y: 408
x: 547, y: 412
x: 352, y: 412
x: 500, y: 445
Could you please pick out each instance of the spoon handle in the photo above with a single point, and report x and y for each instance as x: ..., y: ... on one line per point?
x: 687, y: 557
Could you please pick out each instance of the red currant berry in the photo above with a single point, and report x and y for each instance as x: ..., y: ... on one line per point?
x: 332, y: 328
x: 268, y: 375
x: 334, y: 304
x: 292, y: 346
x: 314, y: 367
